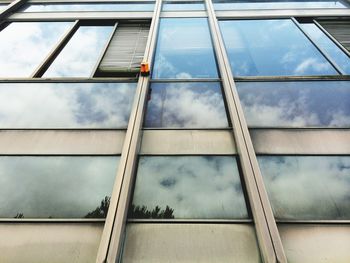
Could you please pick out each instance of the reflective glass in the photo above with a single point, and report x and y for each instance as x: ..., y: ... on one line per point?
x: 122, y: 6
x: 183, y: 6
x: 307, y: 187
x: 296, y: 104
x: 80, y: 55
x: 328, y: 46
x: 65, y: 105
x: 188, y: 187
x: 24, y: 45
x: 186, y: 105
x: 56, y: 186
x: 282, y: 4
x: 184, y: 49
x: 271, y: 48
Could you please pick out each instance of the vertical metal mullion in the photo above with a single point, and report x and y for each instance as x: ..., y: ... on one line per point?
x: 99, y: 60
x: 11, y: 8
x: 110, y: 248
x: 266, y: 229
x: 46, y: 63
x: 325, y: 55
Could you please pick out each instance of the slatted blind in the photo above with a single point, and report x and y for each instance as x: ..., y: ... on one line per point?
x: 339, y: 29
x: 126, y: 49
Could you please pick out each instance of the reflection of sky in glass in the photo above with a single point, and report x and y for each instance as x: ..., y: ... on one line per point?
x: 305, y: 187
x: 266, y: 4
x: 54, y: 186
x: 90, y: 7
x: 65, y: 105
x: 183, y: 6
x: 328, y: 46
x: 186, y: 105
x: 271, y: 48
x: 80, y: 55
x: 195, y: 187
x: 296, y: 104
x: 24, y: 45
x: 184, y: 49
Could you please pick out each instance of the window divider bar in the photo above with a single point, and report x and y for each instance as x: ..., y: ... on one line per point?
x: 112, y: 239
x: 323, y: 53
x: 94, y: 71
x: 13, y: 7
x: 40, y: 70
x: 266, y: 229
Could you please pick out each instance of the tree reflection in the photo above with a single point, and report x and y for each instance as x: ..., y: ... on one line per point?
x: 19, y: 215
x: 100, y: 211
x: 142, y: 212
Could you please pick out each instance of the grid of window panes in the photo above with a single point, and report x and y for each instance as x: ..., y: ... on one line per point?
x: 69, y: 91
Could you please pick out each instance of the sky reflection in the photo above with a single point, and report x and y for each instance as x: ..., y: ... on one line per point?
x: 296, y: 104
x: 186, y: 105
x: 58, y: 187
x: 271, y: 48
x: 65, y: 105
x: 308, y: 187
x: 195, y: 187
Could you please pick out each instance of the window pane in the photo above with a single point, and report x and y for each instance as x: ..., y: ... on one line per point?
x: 188, y: 187
x: 328, y: 46
x: 65, y: 105
x: 307, y: 187
x: 184, y: 49
x: 263, y: 4
x: 80, y: 55
x: 271, y: 48
x: 183, y: 5
x: 186, y: 105
x: 123, y: 6
x: 57, y: 187
x: 24, y: 45
x: 296, y: 104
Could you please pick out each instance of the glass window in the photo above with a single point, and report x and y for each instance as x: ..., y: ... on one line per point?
x: 79, y: 57
x: 188, y: 187
x: 184, y: 50
x: 271, y: 48
x: 307, y: 187
x: 186, y: 105
x: 56, y: 186
x: 276, y: 4
x: 24, y: 45
x: 296, y: 104
x: 327, y: 46
x: 122, y: 6
x: 65, y: 105
x: 183, y: 6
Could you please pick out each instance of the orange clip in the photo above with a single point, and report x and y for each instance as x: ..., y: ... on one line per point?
x: 144, y: 69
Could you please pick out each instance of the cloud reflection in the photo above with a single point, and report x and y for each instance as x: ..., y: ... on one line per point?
x: 195, y: 187
x: 308, y: 187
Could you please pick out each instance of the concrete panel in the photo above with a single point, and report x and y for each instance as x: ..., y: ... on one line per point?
x: 187, y: 142
x: 301, y: 141
x: 316, y: 243
x: 61, y: 142
x: 165, y: 243
x: 49, y: 242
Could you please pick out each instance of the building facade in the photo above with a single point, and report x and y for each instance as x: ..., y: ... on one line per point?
x: 235, y: 147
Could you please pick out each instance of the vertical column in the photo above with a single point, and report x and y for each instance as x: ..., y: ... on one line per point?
x: 113, y: 233
x: 266, y: 229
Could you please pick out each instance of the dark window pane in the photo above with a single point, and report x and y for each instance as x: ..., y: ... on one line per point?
x: 183, y: 5
x: 271, y: 48
x: 24, y: 45
x: 308, y: 187
x: 296, y: 104
x: 263, y: 4
x: 184, y: 49
x: 188, y: 187
x: 122, y: 6
x: 80, y: 55
x: 186, y: 105
x: 57, y: 187
x: 65, y: 105
x: 328, y: 46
